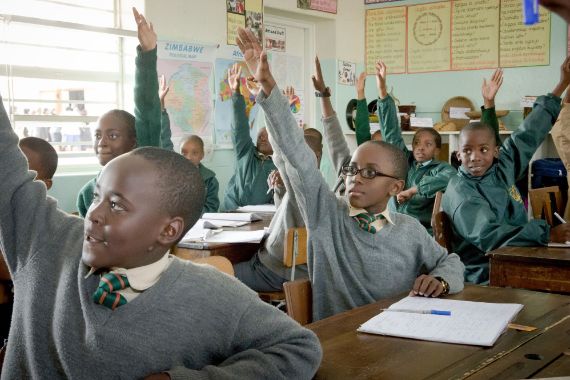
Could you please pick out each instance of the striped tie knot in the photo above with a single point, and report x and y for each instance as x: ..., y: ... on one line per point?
x: 365, y: 221
x: 107, y: 293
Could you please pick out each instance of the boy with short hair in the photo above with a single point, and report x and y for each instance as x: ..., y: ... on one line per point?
x: 248, y: 185
x: 192, y: 147
x: 356, y: 260
x: 483, y: 202
x: 102, y: 298
x: 118, y: 131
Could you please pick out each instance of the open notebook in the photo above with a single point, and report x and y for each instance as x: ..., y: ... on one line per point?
x: 234, y: 216
x: 473, y: 323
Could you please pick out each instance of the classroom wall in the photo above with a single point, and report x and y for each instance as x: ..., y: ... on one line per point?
x: 340, y: 36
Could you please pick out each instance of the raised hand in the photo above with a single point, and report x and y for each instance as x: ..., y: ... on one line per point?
x: 360, y: 85
x: 490, y: 88
x: 289, y: 93
x: 162, y: 91
x: 255, y: 59
x: 145, y: 32
x: 274, y: 180
x: 564, y: 78
x: 234, y: 77
x: 318, y: 80
x: 381, y: 74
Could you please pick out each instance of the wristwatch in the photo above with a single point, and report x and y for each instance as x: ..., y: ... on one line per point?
x: 325, y: 94
x: 445, y: 286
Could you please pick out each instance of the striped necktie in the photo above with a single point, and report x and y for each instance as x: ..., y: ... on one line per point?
x: 365, y: 221
x: 107, y: 293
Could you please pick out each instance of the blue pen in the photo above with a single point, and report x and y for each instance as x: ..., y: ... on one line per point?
x: 530, y: 12
x: 433, y: 312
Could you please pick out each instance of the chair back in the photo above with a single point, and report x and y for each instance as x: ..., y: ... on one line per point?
x: 441, y: 224
x: 299, y: 299
x: 295, y: 249
x: 541, y: 202
x: 219, y: 262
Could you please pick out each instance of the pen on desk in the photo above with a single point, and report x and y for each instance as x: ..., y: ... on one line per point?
x: 433, y: 312
x: 269, y: 190
x: 559, y: 217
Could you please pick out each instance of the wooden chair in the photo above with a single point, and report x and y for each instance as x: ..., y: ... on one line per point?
x: 541, y: 202
x: 219, y: 262
x: 299, y: 299
x: 441, y: 223
x: 294, y: 253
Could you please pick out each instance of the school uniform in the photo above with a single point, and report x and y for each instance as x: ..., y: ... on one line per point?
x: 487, y: 212
x: 248, y: 185
x: 349, y: 266
x: 362, y: 122
x: 189, y: 320
x: 147, y: 118
x: 561, y: 138
x: 212, y: 202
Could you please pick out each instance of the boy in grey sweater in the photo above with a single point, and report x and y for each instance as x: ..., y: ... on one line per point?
x: 351, y: 261
x: 178, y: 320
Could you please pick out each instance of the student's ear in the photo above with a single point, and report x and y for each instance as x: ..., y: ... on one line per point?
x: 458, y: 156
x: 171, y: 231
x: 48, y: 183
x: 496, y: 152
x: 397, y: 187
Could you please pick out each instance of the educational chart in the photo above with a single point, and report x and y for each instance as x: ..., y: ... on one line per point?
x: 475, y: 34
x: 522, y: 45
x: 245, y: 14
x: 281, y: 64
x: 429, y: 29
x: 318, y: 5
x: 223, y: 104
x: 275, y: 38
x: 386, y: 38
x: 187, y: 68
x: 455, y: 35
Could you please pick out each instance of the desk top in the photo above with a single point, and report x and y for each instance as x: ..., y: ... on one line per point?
x: 348, y: 354
x: 560, y: 256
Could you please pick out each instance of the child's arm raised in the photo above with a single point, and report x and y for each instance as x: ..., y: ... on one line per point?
x: 240, y: 125
x: 147, y: 102
x: 334, y: 138
x: 165, y: 132
x: 388, y: 112
x: 489, y: 90
x: 361, y: 120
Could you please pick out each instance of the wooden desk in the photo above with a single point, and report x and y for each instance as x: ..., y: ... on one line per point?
x: 352, y: 355
x: 535, y: 268
x: 235, y: 252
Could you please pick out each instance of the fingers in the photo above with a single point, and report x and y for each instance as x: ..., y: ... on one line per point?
x: 136, y: 14
x: 240, y: 44
x: 318, y: 72
x: 427, y: 286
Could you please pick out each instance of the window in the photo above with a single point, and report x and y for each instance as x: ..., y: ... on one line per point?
x: 62, y: 64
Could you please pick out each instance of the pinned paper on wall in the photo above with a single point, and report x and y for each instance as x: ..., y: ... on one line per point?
x: 275, y: 37
x: 244, y: 14
x: 346, y: 73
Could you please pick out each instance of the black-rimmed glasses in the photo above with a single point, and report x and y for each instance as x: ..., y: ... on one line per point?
x: 367, y: 173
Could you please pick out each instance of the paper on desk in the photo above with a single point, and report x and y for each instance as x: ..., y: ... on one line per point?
x: 234, y: 216
x: 474, y: 323
x: 236, y: 237
x: 199, y: 233
x: 257, y: 208
x: 559, y: 245
x: 214, y: 223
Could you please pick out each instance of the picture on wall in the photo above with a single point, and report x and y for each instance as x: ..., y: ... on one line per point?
x: 245, y: 14
x: 328, y: 6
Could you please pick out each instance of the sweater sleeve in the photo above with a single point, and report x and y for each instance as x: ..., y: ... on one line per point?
x: 147, y: 101
x: 519, y: 148
x: 489, y: 117
x: 482, y: 230
x: 85, y: 197
x: 388, y: 116
x: 165, y: 132
x: 212, y: 203
x: 436, y: 180
x: 336, y: 143
x: 299, y: 164
x: 267, y: 344
x: 362, y: 122
x: 240, y: 127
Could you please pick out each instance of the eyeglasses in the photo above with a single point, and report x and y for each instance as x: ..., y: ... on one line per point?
x: 364, y: 172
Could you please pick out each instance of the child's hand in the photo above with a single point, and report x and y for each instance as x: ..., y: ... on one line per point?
x: 427, y: 286
x: 289, y: 92
x: 252, y: 85
x: 564, y: 78
x: 360, y: 84
x: 404, y: 196
x: 560, y: 233
x: 274, y: 180
x: 145, y: 32
x: 381, y: 74
x: 162, y: 91
x: 558, y: 6
x: 234, y: 77
x: 255, y: 59
x: 318, y: 80
x: 489, y: 89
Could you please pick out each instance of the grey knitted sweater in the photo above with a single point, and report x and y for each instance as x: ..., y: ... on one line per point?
x: 194, y: 322
x: 348, y: 266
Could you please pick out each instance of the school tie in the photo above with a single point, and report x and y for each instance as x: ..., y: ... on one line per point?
x: 365, y: 221
x: 107, y: 292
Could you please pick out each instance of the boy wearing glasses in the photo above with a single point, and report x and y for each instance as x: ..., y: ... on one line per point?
x: 356, y: 259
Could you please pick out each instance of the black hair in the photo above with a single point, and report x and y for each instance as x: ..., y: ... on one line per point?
x: 194, y: 138
x: 478, y: 126
x: 433, y: 132
x: 314, y: 139
x: 48, y: 155
x: 180, y: 183
x: 126, y: 118
x: 398, y: 160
